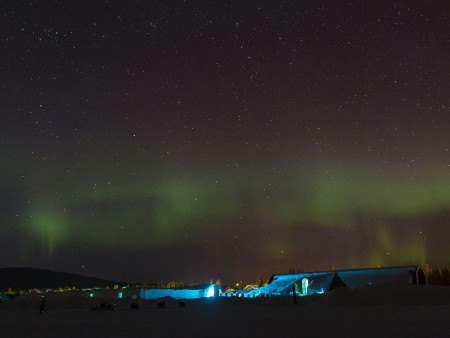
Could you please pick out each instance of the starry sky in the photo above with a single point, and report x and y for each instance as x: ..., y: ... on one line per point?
x: 196, y: 140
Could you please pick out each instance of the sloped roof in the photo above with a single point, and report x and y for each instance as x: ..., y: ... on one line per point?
x: 323, y: 281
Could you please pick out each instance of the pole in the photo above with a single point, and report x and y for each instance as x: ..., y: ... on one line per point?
x: 294, y: 294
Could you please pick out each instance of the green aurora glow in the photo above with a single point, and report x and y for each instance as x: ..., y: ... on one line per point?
x: 160, y: 211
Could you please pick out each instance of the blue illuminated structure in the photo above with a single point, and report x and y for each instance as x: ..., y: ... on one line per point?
x: 309, y: 283
x: 191, y: 292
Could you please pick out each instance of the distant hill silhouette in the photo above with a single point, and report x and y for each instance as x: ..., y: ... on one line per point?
x: 30, y: 278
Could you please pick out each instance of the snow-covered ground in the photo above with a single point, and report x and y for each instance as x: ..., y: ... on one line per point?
x: 381, y: 311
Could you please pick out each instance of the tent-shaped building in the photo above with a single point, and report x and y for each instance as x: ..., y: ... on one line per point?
x: 308, y: 283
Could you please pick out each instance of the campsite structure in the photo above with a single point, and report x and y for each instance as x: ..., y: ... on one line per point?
x: 309, y: 283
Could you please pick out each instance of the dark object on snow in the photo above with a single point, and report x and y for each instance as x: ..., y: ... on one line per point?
x: 446, y: 277
x: 42, y: 306
x: 420, y: 277
x: 103, y: 307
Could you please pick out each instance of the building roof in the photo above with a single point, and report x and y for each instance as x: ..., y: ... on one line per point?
x: 323, y: 281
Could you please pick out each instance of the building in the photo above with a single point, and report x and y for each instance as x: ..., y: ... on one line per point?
x: 309, y: 283
x: 189, y: 292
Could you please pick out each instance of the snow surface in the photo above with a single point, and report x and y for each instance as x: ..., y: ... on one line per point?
x: 376, y: 311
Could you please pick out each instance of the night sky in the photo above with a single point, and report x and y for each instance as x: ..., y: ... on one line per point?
x: 196, y: 140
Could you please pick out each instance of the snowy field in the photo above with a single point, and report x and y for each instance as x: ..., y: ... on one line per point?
x: 392, y: 311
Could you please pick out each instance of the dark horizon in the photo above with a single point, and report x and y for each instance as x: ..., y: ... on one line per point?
x: 233, y: 140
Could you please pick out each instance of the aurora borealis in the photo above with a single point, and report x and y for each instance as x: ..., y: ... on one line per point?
x: 195, y: 140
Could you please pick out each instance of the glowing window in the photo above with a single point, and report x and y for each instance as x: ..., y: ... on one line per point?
x: 305, y: 284
x: 210, y: 291
x: 119, y: 295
